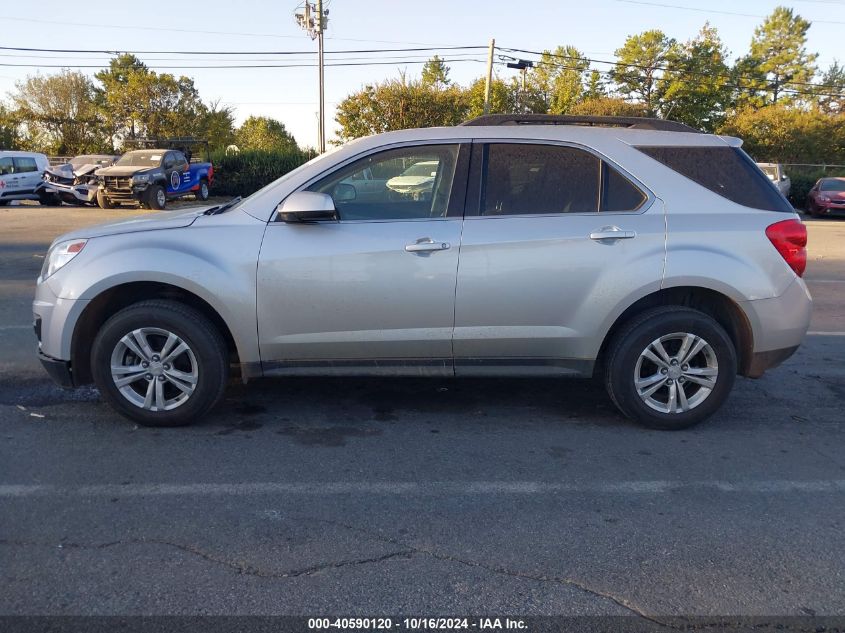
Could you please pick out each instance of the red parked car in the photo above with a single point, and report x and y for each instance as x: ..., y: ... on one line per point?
x: 827, y: 197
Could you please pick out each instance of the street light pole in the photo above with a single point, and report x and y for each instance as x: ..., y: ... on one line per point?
x: 314, y: 19
x: 322, y: 124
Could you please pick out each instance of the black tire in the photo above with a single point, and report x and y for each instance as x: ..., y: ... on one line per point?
x: 635, y: 337
x: 103, y: 201
x: 48, y: 199
x: 204, y: 341
x: 202, y: 192
x: 156, y: 197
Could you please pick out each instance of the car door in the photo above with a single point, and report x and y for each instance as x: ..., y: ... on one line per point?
x: 554, y: 240
x: 28, y: 174
x: 8, y: 177
x: 175, y: 169
x: 374, y: 292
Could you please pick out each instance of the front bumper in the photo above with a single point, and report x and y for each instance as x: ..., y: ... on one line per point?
x: 826, y: 208
x: 59, y: 370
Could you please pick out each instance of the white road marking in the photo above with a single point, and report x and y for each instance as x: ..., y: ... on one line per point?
x: 15, y: 327
x: 825, y: 281
x: 473, y: 488
x: 825, y: 333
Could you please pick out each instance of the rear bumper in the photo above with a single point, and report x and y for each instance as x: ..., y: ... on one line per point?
x: 58, y: 370
x: 779, y: 326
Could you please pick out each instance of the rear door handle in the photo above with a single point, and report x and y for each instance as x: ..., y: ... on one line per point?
x: 612, y: 233
x: 426, y: 245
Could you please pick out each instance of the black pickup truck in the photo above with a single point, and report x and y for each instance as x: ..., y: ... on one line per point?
x: 151, y: 177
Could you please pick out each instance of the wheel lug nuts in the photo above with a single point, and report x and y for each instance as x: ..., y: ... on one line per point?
x: 161, y: 378
x: 681, y: 379
x: 670, y: 382
x: 685, y: 367
x: 145, y: 364
x: 155, y: 357
x: 166, y: 366
x: 664, y: 371
x: 149, y: 376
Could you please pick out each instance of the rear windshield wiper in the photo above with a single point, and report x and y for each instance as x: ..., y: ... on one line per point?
x: 222, y: 207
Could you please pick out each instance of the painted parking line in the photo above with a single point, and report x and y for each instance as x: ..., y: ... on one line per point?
x: 407, y: 488
x: 825, y: 333
x: 3, y: 328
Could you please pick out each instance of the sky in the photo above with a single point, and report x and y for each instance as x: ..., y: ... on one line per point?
x: 597, y: 28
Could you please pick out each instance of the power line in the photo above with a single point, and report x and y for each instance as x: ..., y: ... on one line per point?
x: 242, y: 66
x: 744, y: 15
x: 731, y: 76
x: 359, y: 50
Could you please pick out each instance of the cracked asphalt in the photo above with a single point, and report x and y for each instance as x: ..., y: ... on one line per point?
x: 420, y: 497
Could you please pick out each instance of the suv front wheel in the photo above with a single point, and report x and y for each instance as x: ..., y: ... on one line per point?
x: 670, y: 368
x: 160, y: 363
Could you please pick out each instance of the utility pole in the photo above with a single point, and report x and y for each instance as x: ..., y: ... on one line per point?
x: 313, y: 20
x: 489, y: 81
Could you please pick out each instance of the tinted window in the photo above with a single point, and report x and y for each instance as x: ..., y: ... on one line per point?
x: 526, y: 179
x: 618, y: 193
x: 727, y: 171
x: 6, y: 166
x: 832, y: 185
x: 25, y: 164
x: 399, y: 184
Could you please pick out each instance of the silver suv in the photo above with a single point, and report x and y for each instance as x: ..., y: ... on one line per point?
x: 656, y: 258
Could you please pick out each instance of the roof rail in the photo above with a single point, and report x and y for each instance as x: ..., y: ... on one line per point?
x: 630, y: 122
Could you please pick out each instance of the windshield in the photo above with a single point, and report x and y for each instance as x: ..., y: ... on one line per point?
x: 770, y: 170
x: 834, y: 184
x: 428, y: 168
x: 141, y: 158
x: 90, y: 159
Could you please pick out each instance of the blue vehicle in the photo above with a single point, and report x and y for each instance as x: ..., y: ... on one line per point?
x: 151, y: 177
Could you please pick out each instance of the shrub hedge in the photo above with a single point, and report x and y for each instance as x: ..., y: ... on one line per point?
x: 246, y: 172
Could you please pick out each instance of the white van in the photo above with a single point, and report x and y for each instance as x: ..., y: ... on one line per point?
x: 20, y: 173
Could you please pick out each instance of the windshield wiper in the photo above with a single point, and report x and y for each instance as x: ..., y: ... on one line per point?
x: 222, y: 207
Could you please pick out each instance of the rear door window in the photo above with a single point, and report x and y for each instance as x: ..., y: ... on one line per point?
x: 538, y: 179
x: 24, y: 164
x: 727, y: 171
x: 7, y: 166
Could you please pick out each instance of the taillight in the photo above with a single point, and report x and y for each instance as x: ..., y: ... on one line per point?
x: 789, y: 237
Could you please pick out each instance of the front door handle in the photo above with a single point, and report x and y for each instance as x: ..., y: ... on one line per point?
x: 612, y: 233
x: 426, y: 245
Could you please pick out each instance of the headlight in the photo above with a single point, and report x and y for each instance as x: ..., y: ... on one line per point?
x: 141, y: 178
x: 59, y: 255
x: 824, y: 199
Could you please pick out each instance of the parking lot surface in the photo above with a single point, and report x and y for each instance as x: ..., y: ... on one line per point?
x: 405, y: 496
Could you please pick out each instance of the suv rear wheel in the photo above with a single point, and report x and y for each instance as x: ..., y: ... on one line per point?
x: 670, y: 368
x: 160, y: 363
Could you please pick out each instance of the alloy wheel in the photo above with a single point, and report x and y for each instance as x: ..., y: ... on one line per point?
x: 154, y: 369
x: 676, y: 372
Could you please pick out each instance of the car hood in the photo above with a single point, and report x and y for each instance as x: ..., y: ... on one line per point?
x: 409, y: 181
x: 151, y: 222
x: 122, y: 170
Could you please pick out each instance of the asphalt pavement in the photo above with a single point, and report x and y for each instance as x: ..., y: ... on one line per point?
x: 421, y: 497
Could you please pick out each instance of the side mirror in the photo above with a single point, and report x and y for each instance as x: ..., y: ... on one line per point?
x: 307, y: 206
x: 344, y: 192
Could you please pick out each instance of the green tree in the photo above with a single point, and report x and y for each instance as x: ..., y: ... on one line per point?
x: 608, y: 106
x: 506, y: 97
x: 640, y: 67
x: 264, y: 133
x: 435, y: 73
x: 595, y: 88
x: 9, y: 124
x: 779, y: 54
x: 217, y: 126
x: 396, y: 105
x: 558, y: 80
x: 696, y: 87
x: 59, y: 113
x: 831, y: 90
x: 139, y: 102
x: 779, y: 133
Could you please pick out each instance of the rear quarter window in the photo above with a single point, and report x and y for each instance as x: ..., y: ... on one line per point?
x: 727, y: 171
